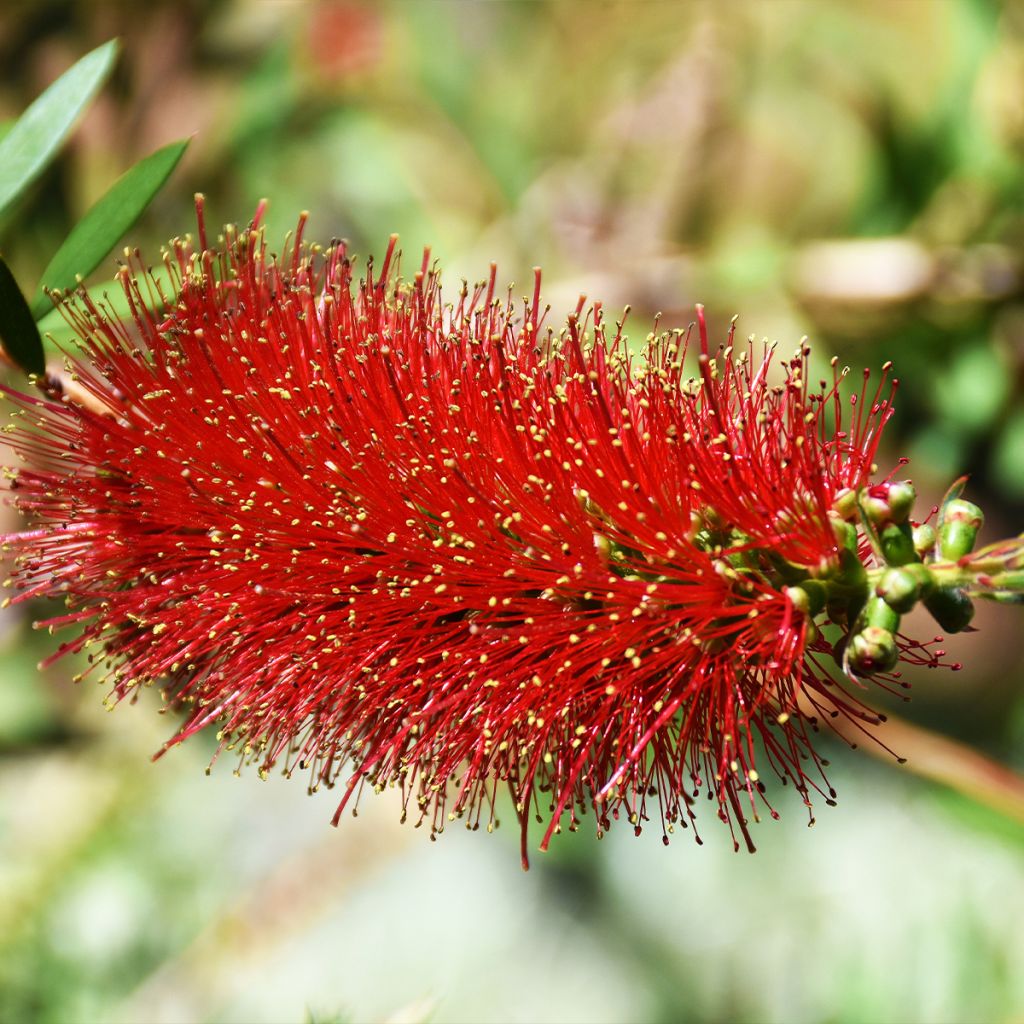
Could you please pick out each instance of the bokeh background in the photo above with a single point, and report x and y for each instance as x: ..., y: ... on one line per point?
x: 852, y: 172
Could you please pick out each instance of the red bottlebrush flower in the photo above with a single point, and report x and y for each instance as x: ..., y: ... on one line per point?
x: 373, y: 534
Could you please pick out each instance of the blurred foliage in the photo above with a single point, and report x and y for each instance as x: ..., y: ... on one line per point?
x: 852, y: 172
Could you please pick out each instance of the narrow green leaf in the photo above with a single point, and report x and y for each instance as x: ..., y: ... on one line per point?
x: 18, y: 330
x: 30, y: 145
x: 109, y: 218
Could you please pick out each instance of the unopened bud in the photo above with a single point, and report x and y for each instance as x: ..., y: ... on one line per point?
x: 897, y: 544
x: 852, y: 577
x: 888, y: 503
x: 924, y: 537
x: 879, y: 613
x: 952, y: 609
x: 902, y: 588
x: 872, y: 650
x: 959, y: 510
x: 961, y: 521
x: 845, y: 503
x: 808, y: 597
x: 901, y: 500
x: 874, y: 505
x: 845, y: 533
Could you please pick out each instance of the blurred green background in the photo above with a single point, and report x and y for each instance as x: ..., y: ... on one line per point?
x: 852, y: 172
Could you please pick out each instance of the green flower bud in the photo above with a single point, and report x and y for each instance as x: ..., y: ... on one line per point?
x: 872, y: 650
x: 845, y: 504
x: 960, y: 524
x: 808, y: 597
x: 853, y: 578
x: 951, y: 608
x: 888, y: 503
x: 902, y: 588
x: 901, y: 500
x: 924, y: 537
x: 959, y: 510
x: 877, y: 612
x: 875, y: 507
x: 897, y: 543
x: 846, y: 534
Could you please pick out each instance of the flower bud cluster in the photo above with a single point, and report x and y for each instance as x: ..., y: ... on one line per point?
x: 887, y: 565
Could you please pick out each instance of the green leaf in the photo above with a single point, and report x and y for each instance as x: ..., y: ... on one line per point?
x: 30, y: 145
x: 18, y: 330
x: 109, y: 218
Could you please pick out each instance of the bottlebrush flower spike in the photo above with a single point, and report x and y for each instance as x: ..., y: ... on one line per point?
x: 377, y: 536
